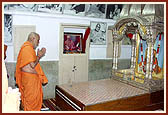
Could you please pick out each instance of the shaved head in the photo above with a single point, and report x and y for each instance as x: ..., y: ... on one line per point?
x: 34, y: 38
x: 33, y: 35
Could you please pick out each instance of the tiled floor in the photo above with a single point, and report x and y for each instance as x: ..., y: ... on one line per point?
x: 98, y: 91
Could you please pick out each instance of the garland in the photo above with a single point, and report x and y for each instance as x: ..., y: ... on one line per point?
x: 142, y: 60
x: 157, y: 53
x: 158, y: 48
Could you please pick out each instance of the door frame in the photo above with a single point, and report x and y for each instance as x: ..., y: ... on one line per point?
x: 61, y: 36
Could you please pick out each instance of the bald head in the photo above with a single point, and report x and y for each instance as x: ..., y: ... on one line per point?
x: 33, y: 35
x: 34, y: 38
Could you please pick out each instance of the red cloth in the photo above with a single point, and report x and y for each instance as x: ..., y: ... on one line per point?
x: 87, y: 32
x: 130, y: 35
x: 5, y: 48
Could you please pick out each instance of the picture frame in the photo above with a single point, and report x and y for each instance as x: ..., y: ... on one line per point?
x: 95, y: 10
x: 21, y: 7
x: 98, y: 33
x: 45, y: 8
x: 50, y: 8
x: 113, y: 11
x: 8, y: 20
x: 72, y: 42
x: 74, y: 9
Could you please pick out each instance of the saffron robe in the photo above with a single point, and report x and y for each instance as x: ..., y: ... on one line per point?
x: 30, y: 85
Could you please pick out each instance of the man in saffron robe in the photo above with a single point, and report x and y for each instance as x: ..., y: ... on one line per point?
x: 29, y: 74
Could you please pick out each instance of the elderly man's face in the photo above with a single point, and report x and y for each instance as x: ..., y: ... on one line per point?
x: 68, y: 37
x: 36, y: 41
x: 97, y: 27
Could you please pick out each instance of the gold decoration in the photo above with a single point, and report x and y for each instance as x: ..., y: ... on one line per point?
x: 159, y: 75
x: 139, y: 80
x: 143, y: 28
x: 140, y: 75
x: 121, y: 29
x: 119, y: 74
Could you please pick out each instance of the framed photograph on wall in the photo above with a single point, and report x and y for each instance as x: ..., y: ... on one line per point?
x: 72, y: 42
x: 50, y: 8
x: 8, y: 29
x: 95, y: 10
x: 21, y: 7
x: 113, y: 11
x: 98, y: 33
x: 74, y: 9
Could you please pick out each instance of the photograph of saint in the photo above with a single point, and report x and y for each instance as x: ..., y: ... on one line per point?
x: 72, y: 42
x: 75, y: 9
x: 69, y: 44
x: 95, y: 10
x: 98, y: 33
x: 158, y: 54
x: 113, y: 11
x: 7, y: 28
x: 21, y: 7
x: 156, y: 68
x: 51, y: 8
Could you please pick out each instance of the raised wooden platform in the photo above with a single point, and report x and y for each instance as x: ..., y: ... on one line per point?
x: 106, y: 95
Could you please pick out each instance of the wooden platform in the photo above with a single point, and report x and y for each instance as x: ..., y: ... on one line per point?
x: 106, y: 95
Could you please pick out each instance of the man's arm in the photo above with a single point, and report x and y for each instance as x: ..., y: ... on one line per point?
x: 33, y: 64
x: 30, y: 68
x: 40, y: 53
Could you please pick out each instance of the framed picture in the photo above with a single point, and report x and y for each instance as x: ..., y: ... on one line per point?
x: 98, y: 33
x: 74, y: 9
x: 72, y: 42
x: 21, y: 7
x: 46, y: 8
x: 113, y: 11
x: 50, y: 8
x: 95, y: 10
x: 8, y: 29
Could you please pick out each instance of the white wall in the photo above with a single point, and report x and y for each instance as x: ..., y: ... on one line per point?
x: 98, y: 52
x: 48, y: 26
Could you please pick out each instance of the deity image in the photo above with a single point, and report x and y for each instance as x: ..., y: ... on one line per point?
x: 158, y: 51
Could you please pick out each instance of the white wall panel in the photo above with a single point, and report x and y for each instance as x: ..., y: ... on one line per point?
x: 48, y: 26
